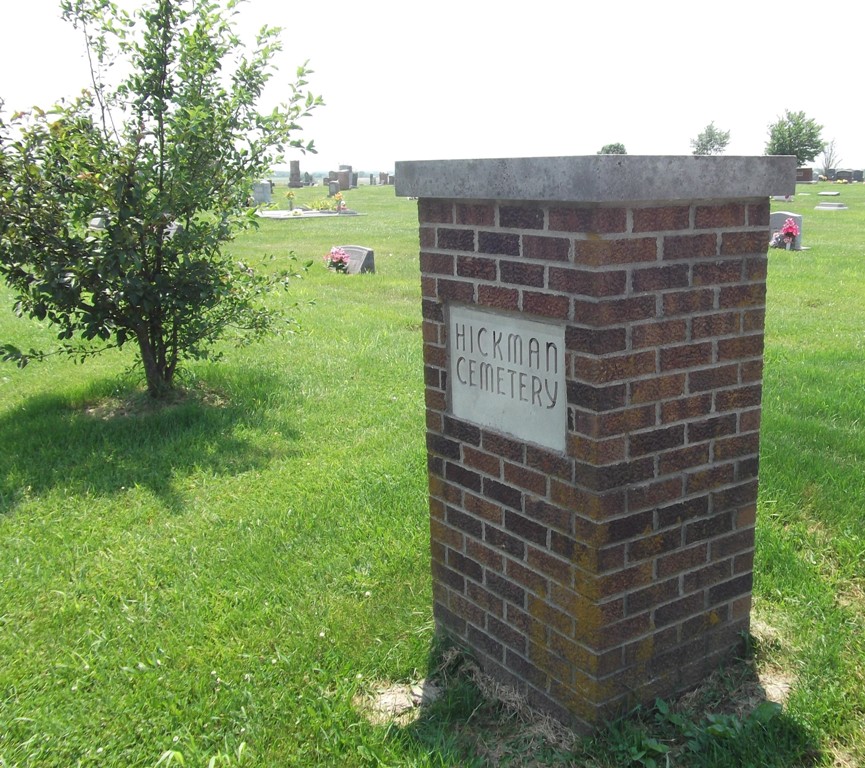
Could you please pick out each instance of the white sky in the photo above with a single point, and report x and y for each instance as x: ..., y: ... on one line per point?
x: 480, y: 78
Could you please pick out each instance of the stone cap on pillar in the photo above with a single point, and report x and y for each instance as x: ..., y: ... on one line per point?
x: 599, y: 178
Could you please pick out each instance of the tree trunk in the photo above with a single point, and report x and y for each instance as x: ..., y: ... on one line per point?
x: 159, y: 381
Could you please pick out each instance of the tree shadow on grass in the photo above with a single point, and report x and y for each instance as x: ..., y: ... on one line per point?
x: 116, y: 439
x: 732, y: 719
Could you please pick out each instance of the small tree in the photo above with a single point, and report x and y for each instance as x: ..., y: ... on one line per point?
x: 831, y: 159
x: 115, y: 206
x: 613, y: 149
x: 795, y: 134
x: 710, y: 141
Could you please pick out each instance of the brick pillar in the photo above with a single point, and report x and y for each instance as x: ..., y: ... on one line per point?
x: 593, y: 337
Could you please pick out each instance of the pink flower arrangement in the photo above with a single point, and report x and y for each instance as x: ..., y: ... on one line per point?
x: 790, y: 228
x: 337, y: 260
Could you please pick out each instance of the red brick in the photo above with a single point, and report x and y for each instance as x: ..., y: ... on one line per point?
x: 758, y: 214
x: 485, y: 599
x: 749, y: 421
x: 710, y: 478
x: 713, y: 378
x: 465, y: 565
x: 455, y: 239
x: 599, y: 399
x: 548, y: 248
x: 506, y: 589
x: 717, y: 216
x: 525, y: 528
x: 521, y: 217
x: 657, y: 388
x: 525, y: 478
x: 435, y: 211
x: 498, y: 243
x: 614, y: 311
x: 742, y: 296
x: 741, y: 495
x: 660, y: 278
x: 615, y: 367
x: 646, y: 599
x: 653, y: 495
x: 476, y: 214
x: 546, y: 304
x: 548, y: 463
x: 713, y: 427
x: 661, y: 218
x: 427, y: 237
x: 753, y: 320
x: 484, y: 462
x: 686, y: 356
x: 659, y: 333
x: 689, y: 509
x: 597, y: 451
x: 756, y: 268
x: 690, y: 246
x: 599, y: 253
x: 432, y: 311
x: 589, y: 220
x: 595, y: 341
x: 559, y: 570
x: 507, y: 634
x: 737, y: 446
x: 502, y: 446
x: 736, y: 587
x: 720, y: 324
x: 708, y: 528
x: 736, y: 243
x: 655, y: 441
x: 584, y: 282
x: 679, y: 609
x: 521, y: 273
x: 614, y: 476
x: 477, y: 268
x: 455, y: 290
x: 490, y: 558
x: 740, y: 347
x: 547, y: 514
x: 434, y: 355
x: 735, y: 399
x: 682, y: 560
x: 506, y: 494
x: 683, y: 458
x: 716, y: 272
x: 655, y: 545
x: 688, y: 302
x: 612, y: 423
x: 496, y: 297
x: 437, y: 263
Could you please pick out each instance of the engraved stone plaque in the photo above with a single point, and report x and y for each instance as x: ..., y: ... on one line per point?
x: 507, y: 372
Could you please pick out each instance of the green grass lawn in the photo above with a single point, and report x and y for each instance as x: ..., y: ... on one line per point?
x: 216, y: 583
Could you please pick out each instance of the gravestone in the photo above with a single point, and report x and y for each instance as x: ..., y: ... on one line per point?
x: 776, y: 221
x: 361, y: 260
x: 261, y: 192
x: 344, y: 180
x: 825, y: 205
x: 333, y: 187
x: 858, y: 176
x: 593, y: 338
x: 294, y: 174
x: 382, y: 178
x: 804, y: 175
x: 843, y: 175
